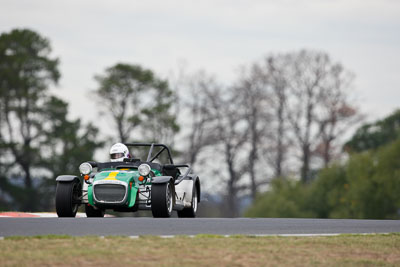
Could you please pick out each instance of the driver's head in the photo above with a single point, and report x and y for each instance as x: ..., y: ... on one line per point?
x: 119, y: 152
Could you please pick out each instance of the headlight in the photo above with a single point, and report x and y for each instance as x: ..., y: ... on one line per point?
x: 144, y: 169
x: 85, y: 168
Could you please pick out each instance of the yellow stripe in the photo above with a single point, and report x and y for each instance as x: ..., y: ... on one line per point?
x: 111, y: 176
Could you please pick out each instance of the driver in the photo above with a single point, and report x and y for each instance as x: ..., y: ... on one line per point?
x: 119, y: 152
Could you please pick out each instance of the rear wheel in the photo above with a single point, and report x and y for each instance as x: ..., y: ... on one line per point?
x: 161, y: 200
x: 92, y: 212
x: 192, y: 210
x: 68, y: 198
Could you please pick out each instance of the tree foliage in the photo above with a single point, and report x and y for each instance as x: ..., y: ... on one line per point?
x: 374, y: 135
x: 318, y: 108
x: 366, y: 187
x: 284, y: 114
x: 35, y: 134
x: 138, y: 102
x: 285, y: 199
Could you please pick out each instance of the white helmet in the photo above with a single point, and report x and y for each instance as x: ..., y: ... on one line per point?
x: 119, y: 152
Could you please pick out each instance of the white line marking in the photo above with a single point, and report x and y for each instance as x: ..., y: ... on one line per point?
x: 284, y: 235
x: 167, y: 236
x: 299, y: 235
x: 324, y: 234
x: 259, y: 235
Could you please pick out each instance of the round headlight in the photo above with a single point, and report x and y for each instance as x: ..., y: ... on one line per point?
x: 85, y: 168
x: 144, y: 169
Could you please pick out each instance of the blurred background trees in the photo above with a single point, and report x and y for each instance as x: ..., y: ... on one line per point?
x: 271, y: 143
x: 283, y: 118
x: 35, y: 134
x: 366, y: 186
x: 374, y: 135
x: 138, y: 102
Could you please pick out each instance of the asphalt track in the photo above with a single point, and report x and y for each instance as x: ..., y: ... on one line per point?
x: 176, y: 226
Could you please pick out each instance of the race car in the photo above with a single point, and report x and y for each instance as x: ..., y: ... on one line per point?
x: 130, y: 186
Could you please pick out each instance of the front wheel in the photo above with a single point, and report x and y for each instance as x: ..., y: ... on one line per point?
x: 161, y: 200
x: 68, y: 198
x: 191, y: 211
x: 92, y: 212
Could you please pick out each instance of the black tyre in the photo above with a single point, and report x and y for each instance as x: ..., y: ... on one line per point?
x: 68, y: 198
x: 92, y: 212
x: 192, y: 210
x: 161, y: 200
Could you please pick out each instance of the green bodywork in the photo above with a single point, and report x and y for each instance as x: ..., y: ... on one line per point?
x: 129, y: 176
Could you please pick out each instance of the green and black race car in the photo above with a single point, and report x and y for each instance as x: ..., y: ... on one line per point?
x: 130, y: 186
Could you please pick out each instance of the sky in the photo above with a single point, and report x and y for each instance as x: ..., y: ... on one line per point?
x: 217, y: 36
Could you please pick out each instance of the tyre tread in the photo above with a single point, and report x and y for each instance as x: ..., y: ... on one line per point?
x: 64, y: 193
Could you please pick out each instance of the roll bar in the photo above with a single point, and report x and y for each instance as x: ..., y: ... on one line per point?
x: 150, y: 158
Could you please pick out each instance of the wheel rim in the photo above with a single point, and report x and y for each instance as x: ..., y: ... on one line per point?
x: 75, y: 197
x: 169, y: 198
x: 194, y: 200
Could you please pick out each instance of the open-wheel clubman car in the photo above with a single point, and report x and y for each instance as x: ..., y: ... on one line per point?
x: 130, y: 186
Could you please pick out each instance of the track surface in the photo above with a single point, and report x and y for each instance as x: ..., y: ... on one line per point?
x: 176, y: 226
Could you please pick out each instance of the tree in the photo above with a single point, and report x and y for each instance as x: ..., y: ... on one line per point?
x: 26, y: 70
x: 365, y: 187
x: 376, y: 134
x: 68, y: 143
x: 275, y: 75
x: 336, y: 114
x: 253, y: 93
x: 318, y: 109
x: 33, y: 123
x: 135, y: 98
x: 213, y: 124
x: 369, y: 185
x: 285, y: 199
x: 230, y: 137
x: 159, y: 123
x: 295, y: 100
x: 273, y: 72
x: 196, y: 107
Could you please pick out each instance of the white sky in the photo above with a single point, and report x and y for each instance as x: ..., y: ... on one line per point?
x: 219, y: 36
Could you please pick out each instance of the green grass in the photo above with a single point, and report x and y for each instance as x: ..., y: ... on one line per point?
x: 202, y: 250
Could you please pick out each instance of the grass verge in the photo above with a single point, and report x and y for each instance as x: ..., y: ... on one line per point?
x: 202, y: 250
